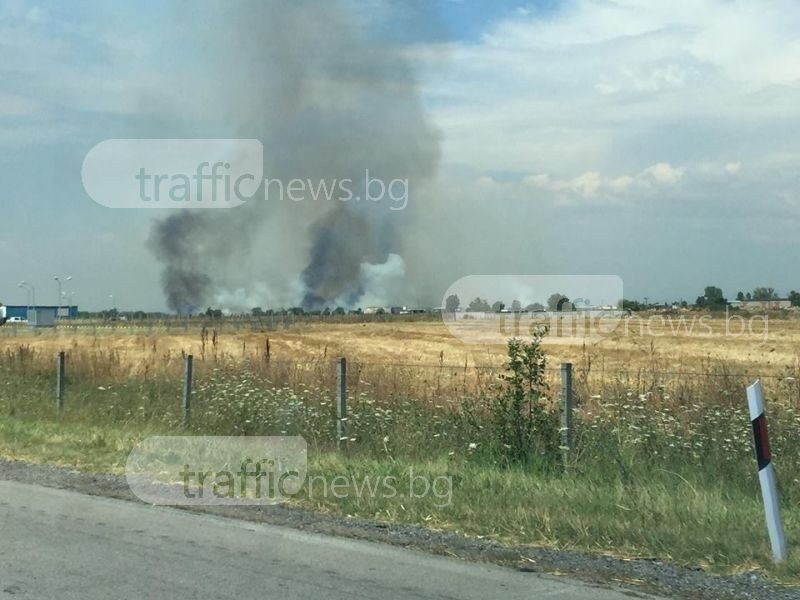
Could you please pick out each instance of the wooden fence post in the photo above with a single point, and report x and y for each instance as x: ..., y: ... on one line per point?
x: 566, y: 413
x: 60, y: 372
x: 187, y: 389
x: 341, y: 402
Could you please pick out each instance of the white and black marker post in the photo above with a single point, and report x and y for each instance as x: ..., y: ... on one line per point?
x: 766, y: 472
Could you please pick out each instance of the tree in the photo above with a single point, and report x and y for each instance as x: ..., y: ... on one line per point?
x: 257, y: 312
x: 740, y: 296
x: 535, y: 307
x: 479, y: 305
x: 498, y: 306
x: 748, y: 296
x: 516, y: 306
x: 712, y: 298
x: 632, y: 305
x: 713, y: 294
x: 451, y: 303
x: 764, y: 293
x: 214, y: 313
x: 558, y: 302
x: 112, y: 314
x: 794, y: 298
x: 339, y: 311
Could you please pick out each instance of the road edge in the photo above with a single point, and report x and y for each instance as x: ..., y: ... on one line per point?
x: 646, y: 576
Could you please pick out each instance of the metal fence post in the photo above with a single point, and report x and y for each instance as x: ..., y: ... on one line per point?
x: 566, y: 413
x: 187, y: 389
x: 60, y: 371
x: 341, y: 402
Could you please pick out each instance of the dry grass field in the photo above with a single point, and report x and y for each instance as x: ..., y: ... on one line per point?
x: 682, y: 352
x: 662, y: 464
x: 677, y: 342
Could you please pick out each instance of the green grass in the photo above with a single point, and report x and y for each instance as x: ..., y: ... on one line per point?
x: 658, y: 471
x: 656, y: 515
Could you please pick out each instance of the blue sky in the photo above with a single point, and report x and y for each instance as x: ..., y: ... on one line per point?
x: 655, y: 142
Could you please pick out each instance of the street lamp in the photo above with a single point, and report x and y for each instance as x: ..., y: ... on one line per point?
x: 113, y: 302
x: 69, y: 297
x: 31, y: 293
x: 22, y: 285
x: 60, y: 291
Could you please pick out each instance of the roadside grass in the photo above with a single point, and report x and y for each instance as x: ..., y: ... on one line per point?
x: 662, y: 469
x: 653, y: 515
x: 99, y: 449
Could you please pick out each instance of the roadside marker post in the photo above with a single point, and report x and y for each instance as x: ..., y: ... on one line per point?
x: 766, y: 472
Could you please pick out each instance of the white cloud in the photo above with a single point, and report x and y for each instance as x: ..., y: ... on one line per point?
x: 664, y: 173
x: 618, y: 86
x: 592, y: 185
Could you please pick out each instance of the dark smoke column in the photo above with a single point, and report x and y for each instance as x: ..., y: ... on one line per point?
x: 331, y: 99
x: 185, y: 286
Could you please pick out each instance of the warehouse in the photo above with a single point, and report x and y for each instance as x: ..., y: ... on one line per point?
x: 69, y: 312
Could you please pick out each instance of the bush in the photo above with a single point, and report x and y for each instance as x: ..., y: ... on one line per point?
x: 523, y: 428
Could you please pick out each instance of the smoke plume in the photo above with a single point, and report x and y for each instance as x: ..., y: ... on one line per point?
x: 330, y: 100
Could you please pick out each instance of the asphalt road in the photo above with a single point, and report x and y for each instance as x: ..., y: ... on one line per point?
x: 61, y: 544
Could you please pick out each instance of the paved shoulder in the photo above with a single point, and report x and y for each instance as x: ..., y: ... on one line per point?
x: 61, y: 544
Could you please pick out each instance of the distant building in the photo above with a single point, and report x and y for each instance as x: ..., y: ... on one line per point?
x: 775, y: 304
x: 63, y: 312
x: 42, y: 316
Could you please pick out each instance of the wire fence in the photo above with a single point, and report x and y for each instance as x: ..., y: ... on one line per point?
x: 234, y: 323
x: 667, y: 418
x: 426, y: 382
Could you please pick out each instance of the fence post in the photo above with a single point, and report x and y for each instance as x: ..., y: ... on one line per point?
x: 566, y: 413
x: 766, y: 472
x: 187, y: 389
x: 341, y: 402
x: 60, y: 371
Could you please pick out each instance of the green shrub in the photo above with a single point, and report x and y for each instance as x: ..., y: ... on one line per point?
x: 522, y: 427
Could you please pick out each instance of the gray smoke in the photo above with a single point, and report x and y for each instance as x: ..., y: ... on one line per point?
x: 329, y: 99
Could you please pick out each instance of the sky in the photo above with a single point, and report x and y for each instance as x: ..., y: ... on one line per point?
x: 659, y: 142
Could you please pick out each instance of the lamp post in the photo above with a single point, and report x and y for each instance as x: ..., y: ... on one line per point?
x: 24, y: 286
x: 31, y: 293
x: 69, y: 298
x: 60, y: 291
x: 31, y: 300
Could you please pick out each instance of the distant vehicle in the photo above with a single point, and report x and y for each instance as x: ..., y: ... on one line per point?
x: 4, y: 318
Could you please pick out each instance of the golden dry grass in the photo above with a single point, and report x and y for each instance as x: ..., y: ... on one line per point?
x: 640, y: 434
x: 636, y: 343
